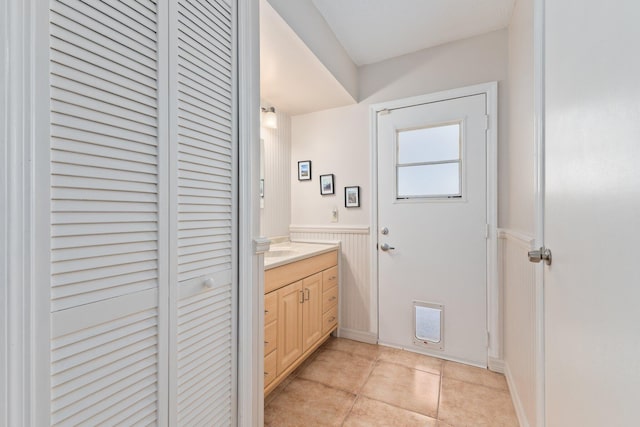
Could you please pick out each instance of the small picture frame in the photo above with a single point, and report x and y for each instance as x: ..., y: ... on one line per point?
x: 326, y: 184
x: 304, y: 170
x: 352, y: 197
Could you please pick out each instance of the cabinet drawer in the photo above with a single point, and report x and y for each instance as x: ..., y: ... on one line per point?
x: 270, y: 307
x: 329, y: 319
x: 278, y: 277
x: 270, y: 337
x: 329, y: 278
x: 270, y: 368
x: 329, y: 299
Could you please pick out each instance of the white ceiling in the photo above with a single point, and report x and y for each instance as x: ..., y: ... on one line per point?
x: 375, y: 30
x: 292, y: 78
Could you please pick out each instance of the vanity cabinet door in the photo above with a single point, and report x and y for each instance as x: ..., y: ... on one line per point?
x: 311, y: 311
x: 290, y: 302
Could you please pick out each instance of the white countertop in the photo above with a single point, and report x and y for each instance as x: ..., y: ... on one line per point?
x: 287, y: 252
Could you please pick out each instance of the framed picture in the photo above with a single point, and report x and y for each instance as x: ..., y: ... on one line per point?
x: 304, y: 170
x: 326, y: 184
x: 352, y: 197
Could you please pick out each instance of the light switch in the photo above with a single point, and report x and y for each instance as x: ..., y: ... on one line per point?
x: 334, y: 215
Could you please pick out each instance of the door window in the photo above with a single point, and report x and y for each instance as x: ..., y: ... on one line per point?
x: 429, y: 162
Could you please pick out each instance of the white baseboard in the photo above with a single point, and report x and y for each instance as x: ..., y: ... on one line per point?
x: 515, y: 398
x: 496, y: 365
x: 361, y: 336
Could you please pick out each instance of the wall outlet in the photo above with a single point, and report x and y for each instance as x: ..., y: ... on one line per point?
x: 334, y: 215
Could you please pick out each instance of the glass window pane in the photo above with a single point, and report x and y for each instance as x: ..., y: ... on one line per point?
x: 432, y: 144
x: 429, y: 180
x: 428, y: 322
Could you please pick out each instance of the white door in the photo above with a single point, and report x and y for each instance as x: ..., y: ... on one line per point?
x: 203, y: 216
x: 141, y: 188
x: 592, y: 213
x: 432, y: 216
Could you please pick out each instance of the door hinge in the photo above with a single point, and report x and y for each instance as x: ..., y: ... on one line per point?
x: 486, y: 122
x: 384, y: 112
x: 487, y: 231
x: 488, y: 339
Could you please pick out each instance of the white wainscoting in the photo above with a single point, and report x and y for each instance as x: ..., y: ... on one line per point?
x: 518, y: 284
x: 356, y: 284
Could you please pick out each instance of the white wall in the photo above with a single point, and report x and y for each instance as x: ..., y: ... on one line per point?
x: 303, y: 17
x: 519, y: 196
x: 275, y: 216
x: 517, y: 219
x: 337, y: 140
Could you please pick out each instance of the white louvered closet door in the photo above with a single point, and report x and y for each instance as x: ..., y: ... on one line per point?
x: 143, y: 212
x: 108, y: 267
x: 203, y: 106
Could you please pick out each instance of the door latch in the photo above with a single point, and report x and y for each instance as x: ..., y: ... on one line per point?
x: 385, y: 247
x: 542, y: 254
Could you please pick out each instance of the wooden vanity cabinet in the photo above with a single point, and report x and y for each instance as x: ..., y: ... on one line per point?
x: 301, y: 304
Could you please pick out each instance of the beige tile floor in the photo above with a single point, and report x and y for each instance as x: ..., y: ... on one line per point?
x: 348, y: 383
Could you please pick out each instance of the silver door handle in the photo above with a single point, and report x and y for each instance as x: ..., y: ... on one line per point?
x: 385, y: 247
x: 542, y: 254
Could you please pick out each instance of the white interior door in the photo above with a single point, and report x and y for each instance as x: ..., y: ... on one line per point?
x: 432, y: 218
x: 141, y: 225
x: 592, y: 213
x: 108, y: 263
x: 204, y: 211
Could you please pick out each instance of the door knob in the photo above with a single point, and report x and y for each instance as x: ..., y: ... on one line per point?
x: 385, y: 247
x: 542, y: 254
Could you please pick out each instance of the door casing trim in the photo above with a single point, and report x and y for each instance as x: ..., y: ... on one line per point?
x: 490, y: 89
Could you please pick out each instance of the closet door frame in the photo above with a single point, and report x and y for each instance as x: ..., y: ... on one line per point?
x: 251, y: 247
x: 18, y: 302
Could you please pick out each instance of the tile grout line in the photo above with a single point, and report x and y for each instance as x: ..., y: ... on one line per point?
x: 375, y: 362
x: 359, y: 391
x: 440, y: 392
